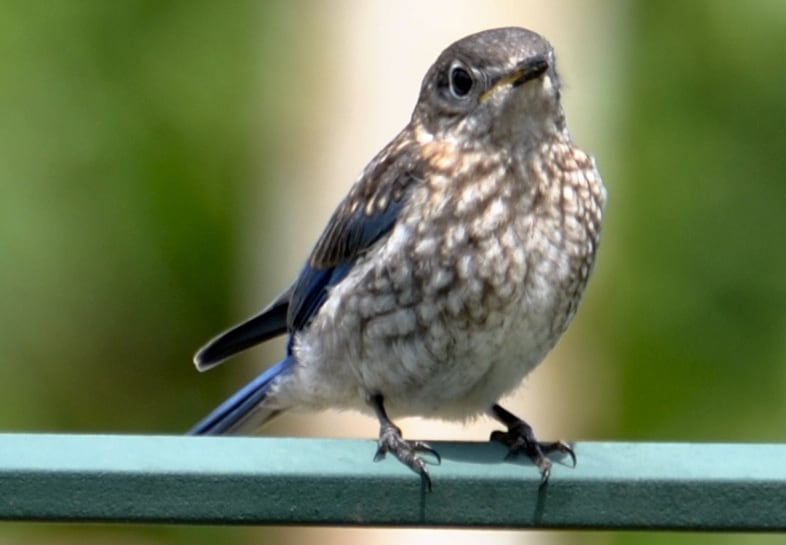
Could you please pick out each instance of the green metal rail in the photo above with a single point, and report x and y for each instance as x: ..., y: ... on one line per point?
x: 262, y: 480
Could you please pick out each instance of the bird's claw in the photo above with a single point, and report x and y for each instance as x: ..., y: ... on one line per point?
x: 390, y: 440
x: 520, y: 439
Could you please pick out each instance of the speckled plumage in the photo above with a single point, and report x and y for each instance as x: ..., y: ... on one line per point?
x: 451, y: 268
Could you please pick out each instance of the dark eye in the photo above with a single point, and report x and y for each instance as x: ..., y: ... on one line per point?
x: 460, y: 82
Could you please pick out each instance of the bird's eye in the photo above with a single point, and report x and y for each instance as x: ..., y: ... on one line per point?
x: 460, y: 82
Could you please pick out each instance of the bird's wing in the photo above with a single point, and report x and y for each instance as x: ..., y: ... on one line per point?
x: 269, y: 323
x: 367, y: 214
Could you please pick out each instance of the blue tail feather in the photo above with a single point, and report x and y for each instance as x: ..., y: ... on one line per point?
x: 232, y: 414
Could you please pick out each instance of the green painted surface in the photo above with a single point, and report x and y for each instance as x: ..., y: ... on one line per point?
x: 334, y: 481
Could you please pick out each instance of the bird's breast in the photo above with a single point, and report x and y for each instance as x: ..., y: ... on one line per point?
x: 472, y: 287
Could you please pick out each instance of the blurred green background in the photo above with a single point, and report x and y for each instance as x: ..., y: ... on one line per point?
x: 134, y: 135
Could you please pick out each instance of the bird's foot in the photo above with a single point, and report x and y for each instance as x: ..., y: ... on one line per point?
x: 390, y: 440
x: 520, y: 439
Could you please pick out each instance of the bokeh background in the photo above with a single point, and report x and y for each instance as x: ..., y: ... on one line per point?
x: 166, y: 166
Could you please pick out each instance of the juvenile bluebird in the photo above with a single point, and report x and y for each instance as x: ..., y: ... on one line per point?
x: 448, y: 272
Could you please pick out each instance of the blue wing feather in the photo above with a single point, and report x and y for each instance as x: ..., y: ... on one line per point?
x: 369, y: 212
x: 269, y: 323
x: 308, y: 294
x: 360, y: 232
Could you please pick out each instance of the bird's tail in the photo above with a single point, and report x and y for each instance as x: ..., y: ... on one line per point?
x: 243, y: 411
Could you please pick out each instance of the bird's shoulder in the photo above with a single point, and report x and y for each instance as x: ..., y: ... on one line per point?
x: 367, y: 213
x: 372, y: 204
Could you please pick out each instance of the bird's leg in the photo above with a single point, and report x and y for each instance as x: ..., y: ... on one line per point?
x: 390, y: 440
x: 521, y: 439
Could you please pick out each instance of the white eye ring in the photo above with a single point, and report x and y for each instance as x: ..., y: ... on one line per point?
x: 461, y: 81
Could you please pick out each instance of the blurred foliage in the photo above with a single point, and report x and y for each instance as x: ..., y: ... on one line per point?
x: 129, y: 135
x: 125, y: 142
x: 698, y: 321
x: 699, y: 316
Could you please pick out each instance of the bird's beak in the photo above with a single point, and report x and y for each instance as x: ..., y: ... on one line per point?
x: 528, y: 70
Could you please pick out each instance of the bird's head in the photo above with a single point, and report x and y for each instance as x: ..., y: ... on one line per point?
x: 499, y: 84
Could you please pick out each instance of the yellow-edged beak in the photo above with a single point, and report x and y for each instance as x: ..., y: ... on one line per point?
x: 529, y: 70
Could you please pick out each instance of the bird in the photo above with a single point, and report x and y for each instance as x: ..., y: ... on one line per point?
x: 448, y: 272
